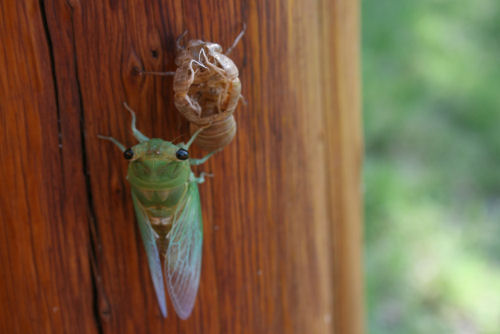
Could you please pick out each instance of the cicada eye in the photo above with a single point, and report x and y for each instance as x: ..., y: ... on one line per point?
x: 182, y: 154
x: 128, y: 154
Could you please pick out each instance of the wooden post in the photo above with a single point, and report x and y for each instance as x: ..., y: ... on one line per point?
x: 282, y: 214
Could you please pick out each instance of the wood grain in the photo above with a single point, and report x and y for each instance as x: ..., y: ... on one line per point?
x: 282, y: 214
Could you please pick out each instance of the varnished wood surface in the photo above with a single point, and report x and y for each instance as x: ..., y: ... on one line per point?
x: 282, y: 213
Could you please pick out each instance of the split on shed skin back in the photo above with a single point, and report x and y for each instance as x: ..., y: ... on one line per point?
x: 207, y: 90
x: 167, y: 206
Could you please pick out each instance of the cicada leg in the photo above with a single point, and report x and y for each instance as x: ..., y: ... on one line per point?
x: 196, y: 162
x: 237, y: 39
x: 179, y: 39
x: 243, y: 100
x: 162, y: 74
x: 137, y: 134
x: 201, y: 178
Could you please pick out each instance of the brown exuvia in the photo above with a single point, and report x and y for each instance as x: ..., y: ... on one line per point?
x: 207, y: 90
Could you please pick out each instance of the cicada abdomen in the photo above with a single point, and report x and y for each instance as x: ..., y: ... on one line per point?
x: 217, y: 135
x: 207, y: 90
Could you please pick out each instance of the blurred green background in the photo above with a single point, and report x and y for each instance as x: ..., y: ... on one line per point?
x: 431, y: 99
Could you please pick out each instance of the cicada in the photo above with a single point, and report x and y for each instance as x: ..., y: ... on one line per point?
x: 207, y: 89
x: 168, y: 211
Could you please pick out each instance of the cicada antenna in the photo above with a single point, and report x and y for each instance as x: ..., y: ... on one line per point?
x: 114, y: 141
x: 137, y: 134
x: 179, y: 136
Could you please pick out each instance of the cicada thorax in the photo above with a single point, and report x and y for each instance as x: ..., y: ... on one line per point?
x: 207, y: 90
x: 160, y: 185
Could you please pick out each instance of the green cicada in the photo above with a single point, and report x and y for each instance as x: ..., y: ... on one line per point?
x: 167, y: 207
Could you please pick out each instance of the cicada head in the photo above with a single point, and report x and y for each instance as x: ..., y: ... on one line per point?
x: 157, y: 163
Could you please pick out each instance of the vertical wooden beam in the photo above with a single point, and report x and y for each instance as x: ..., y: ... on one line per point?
x: 341, y: 35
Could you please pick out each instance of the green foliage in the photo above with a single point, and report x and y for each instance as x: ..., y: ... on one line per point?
x: 431, y: 85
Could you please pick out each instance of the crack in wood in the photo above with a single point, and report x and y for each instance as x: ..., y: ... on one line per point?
x: 100, y: 303
x: 50, y: 47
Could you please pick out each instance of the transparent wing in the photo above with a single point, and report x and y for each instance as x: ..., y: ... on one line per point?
x: 183, y: 259
x: 149, y: 241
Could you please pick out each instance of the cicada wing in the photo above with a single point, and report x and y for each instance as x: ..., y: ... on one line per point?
x: 183, y: 259
x: 149, y: 241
